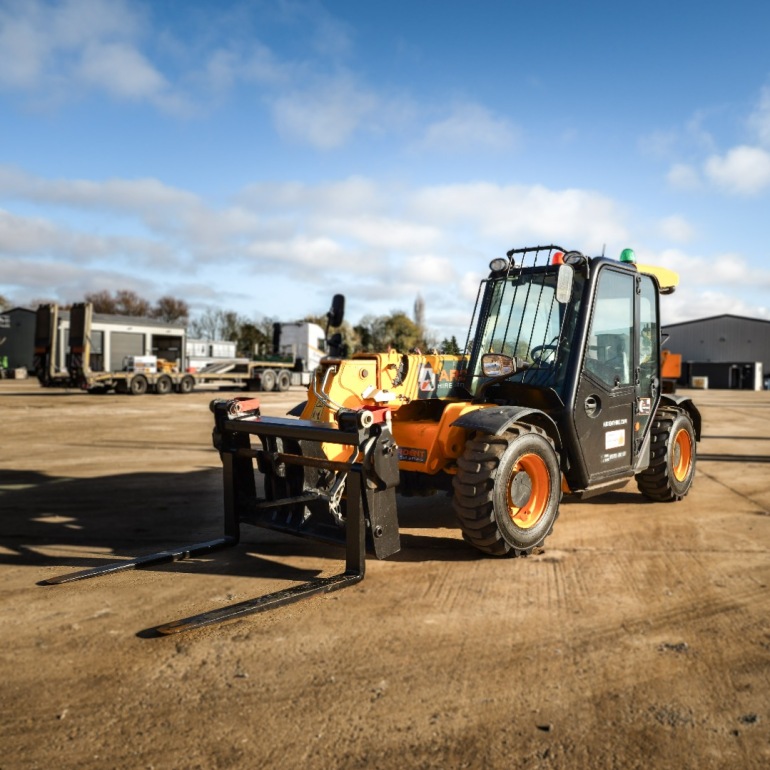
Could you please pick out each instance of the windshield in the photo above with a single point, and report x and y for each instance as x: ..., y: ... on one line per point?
x: 521, y: 317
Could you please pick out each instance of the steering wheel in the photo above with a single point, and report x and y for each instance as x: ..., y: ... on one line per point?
x: 540, y: 353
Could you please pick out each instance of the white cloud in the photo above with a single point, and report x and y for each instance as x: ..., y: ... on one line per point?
x: 121, y: 70
x: 378, y: 243
x: 676, y: 228
x: 41, y: 42
x: 683, y: 177
x: 428, y: 270
x: 469, y: 128
x: 514, y: 213
x: 33, y: 237
x: 22, y: 50
x: 742, y: 171
x: 759, y: 120
x: 327, y: 115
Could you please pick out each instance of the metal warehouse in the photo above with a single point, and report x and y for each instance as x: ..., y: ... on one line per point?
x: 729, y: 351
x: 17, y: 336
x: 114, y: 338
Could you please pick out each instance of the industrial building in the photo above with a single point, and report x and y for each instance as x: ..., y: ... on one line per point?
x: 17, y: 339
x: 725, y: 351
x: 113, y: 338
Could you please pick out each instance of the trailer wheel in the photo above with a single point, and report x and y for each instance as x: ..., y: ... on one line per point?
x: 283, y: 381
x: 164, y: 385
x: 268, y: 380
x: 507, y: 491
x: 186, y: 384
x: 138, y: 386
x: 672, y: 457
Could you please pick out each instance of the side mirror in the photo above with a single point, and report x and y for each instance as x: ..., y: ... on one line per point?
x: 497, y: 365
x: 337, y: 312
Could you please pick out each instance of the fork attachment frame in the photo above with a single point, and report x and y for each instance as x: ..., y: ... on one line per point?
x: 350, y: 502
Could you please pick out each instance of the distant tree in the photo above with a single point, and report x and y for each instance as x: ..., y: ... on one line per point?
x: 128, y: 302
x: 102, y: 301
x: 208, y: 325
x: 449, y: 346
x: 171, y: 309
x: 397, y: 330
x: 4, y: 304
x: 252, y: 339
x: 123, y: 302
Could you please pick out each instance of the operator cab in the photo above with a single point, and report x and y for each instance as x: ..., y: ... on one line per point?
x: 577, y: 338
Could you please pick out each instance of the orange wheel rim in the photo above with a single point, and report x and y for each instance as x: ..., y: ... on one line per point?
x: 528, y: 491
x: 682, y: 457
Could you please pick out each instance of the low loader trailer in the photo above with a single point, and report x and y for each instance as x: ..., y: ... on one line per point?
x: 296, y: 352
x: 558, y: 391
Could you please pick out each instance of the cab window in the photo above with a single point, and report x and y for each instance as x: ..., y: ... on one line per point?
x: 609, y: 351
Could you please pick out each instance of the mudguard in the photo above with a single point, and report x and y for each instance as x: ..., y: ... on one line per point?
x: 683, y: 402
x: 496, y: 420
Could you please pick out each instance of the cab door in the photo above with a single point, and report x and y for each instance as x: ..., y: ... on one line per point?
x: 608, y: 389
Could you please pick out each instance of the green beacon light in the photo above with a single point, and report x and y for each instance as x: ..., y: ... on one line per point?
x: 627, y: 255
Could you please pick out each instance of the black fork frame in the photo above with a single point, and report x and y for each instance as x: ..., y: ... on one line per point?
x: 372, y: 474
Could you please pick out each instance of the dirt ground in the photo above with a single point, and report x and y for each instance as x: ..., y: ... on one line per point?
x: 640, y: 637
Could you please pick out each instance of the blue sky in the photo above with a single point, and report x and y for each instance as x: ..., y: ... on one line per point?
x: 260, y: 156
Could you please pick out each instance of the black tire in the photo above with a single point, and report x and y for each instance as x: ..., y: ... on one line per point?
x: 268, y: 379
x: 507, y: 491
x: 672, y: 457
x: 283, y: 381
x: 138, y: 385
x: 186, y: 384
x: 164, y: 385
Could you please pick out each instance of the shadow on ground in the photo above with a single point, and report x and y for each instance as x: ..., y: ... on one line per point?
x: 129, y: 515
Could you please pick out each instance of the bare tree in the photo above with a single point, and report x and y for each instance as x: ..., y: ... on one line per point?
x: 170, y: 309
x: 128, y: 302
x: 102, y: 301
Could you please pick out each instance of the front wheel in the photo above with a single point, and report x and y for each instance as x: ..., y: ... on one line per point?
x: 507, y: 491
x: 670, y: 474
x: 268, y: 380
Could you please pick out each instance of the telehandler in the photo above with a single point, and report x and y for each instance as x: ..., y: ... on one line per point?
x: 558, y: 391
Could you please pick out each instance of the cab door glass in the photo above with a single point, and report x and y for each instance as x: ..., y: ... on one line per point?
x: 649, y: 354
x: 610, y: 350
x: 648, y: 336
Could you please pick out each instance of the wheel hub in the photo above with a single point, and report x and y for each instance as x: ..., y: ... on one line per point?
x: 528, y: 491
x: 681, y: 455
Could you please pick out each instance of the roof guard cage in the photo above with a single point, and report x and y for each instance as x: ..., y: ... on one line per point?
x: 529, y: 306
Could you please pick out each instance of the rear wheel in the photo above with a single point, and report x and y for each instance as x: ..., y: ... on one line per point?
x: 138, y: 386
x: 164, y: 385
x: 672, y: 457
x: 283, y: 381
x: 186, y: 384
x: 507, y: 491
